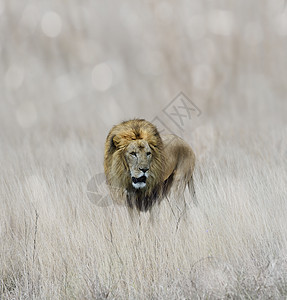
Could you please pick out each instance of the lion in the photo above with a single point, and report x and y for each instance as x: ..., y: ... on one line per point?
x: 142, y: 167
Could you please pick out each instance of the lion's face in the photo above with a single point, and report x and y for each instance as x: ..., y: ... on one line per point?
x: 138, y: 156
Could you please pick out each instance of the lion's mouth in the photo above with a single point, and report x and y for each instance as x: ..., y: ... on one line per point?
x: 140, y: 179
x: 139, y: 183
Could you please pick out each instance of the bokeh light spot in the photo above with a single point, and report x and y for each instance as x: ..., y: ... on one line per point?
x: 51, y: 24
x: 130, y: 19
x: 281, y: 24
x: 221, y: 22
x: 102, y: 77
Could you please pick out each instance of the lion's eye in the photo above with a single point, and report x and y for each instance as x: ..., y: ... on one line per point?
x: 133, y: 153
x: 148, y: 153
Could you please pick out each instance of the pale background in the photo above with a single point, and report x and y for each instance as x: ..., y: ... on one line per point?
x: 69, y: 71
x: 78, y: 67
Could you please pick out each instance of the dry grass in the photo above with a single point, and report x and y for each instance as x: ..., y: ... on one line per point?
x: 56, y: 109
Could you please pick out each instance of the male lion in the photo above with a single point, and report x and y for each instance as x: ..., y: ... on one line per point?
x: 141, y: 166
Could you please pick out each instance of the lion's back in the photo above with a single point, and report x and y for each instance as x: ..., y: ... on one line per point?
x: 179, y: 155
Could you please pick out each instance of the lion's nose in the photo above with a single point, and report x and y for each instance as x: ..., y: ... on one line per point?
x: 143, y: 169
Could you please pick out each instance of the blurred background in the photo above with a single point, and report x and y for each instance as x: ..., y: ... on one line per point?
x: 69, y: 71
x: 79, y: 67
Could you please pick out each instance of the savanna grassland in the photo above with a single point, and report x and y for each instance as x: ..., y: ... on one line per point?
x: 71, y: 70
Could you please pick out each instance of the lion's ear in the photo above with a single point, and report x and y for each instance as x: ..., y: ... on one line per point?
x: 116, y: 141
x: 112, y: 144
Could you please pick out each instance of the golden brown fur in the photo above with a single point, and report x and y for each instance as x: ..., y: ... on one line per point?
x: 141, y: 167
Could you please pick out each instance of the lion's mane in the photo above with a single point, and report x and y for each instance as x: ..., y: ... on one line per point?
x: 116, y: 168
